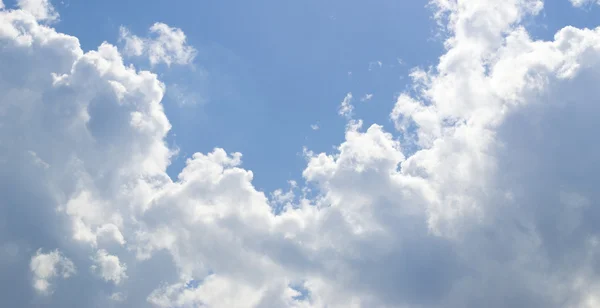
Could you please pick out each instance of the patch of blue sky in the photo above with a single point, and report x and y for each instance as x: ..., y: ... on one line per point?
x: 268, y: 70
x: 303, y: 293
x: 557, y: 14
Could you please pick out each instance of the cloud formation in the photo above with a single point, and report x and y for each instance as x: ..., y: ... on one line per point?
x: 165, y: 44
x: 109, y: 267
x: 47, y: 266
x: 580, y: 3
x: 43, y: 10
x: 495, y: 207
x: 346, y: 106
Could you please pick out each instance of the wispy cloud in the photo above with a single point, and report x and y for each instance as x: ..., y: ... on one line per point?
x: 346, y: 106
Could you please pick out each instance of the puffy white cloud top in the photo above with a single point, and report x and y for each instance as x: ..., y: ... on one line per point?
x: 47, y: 266
x: 497, y: 207
x: 43, y: 10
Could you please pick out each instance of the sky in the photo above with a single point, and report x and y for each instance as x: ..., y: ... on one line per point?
x: 268, y: 70
x: 299, y: 153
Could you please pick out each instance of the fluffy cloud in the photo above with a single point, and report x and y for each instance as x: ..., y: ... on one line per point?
x: 41, y: 9
x: 109, y: 267
x: 217, y: 291
x: 46, y: 266
x: 165, y: 45
x: 483, y: 197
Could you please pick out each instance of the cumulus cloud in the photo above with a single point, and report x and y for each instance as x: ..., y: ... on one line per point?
x: 41, y: 9
x: 164, y: 44
x: 109, y: 267
x: 46, y: 266
x: 483, y: 196
x: 214, y: 292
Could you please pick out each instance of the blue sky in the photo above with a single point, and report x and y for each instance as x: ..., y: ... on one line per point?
x: 267, y: 70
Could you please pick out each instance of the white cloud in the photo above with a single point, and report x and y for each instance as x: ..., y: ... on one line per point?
x: 485, y: 196
x: 314, y: 126
x: 46, y: 266
x: 346, y: 106
x: 134, y: 45
x: 110, y: 232
x: 41, y: 9
x: 366, y: 97
x: 38, y: 161
x: 580, y: 3
x: 165, y: 44
x: 109, y: 267
x: 214, y: 291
